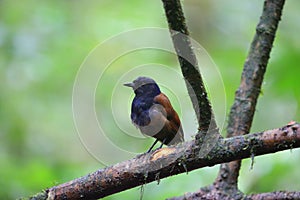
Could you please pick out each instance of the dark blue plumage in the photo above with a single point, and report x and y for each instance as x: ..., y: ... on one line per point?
x: 153, y: 114
x: 142, y: 103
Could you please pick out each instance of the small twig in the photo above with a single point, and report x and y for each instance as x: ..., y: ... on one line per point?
x: 142, y: 190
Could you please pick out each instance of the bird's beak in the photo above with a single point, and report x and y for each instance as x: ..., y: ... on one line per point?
x: 129, y: 84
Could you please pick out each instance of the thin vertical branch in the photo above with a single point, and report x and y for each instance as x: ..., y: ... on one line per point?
x: 243, y: 109
x: 189, y: 65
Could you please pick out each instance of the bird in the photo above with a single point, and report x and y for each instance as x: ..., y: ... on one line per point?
x: 153, y: 114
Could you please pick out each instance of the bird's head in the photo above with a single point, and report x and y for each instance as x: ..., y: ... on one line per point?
x: 144, y: 85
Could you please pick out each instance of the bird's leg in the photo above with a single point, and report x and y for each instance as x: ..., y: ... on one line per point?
x: 162, y: 143
x: 153, y: 145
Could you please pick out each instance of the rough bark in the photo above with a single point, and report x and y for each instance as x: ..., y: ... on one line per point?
x: 243, y: 109
x: 279, y: 195
x: 212, y: 193
x: 173, y: 160
x: 189, y: 66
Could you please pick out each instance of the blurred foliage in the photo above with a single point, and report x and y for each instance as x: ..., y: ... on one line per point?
x: 42, y: 45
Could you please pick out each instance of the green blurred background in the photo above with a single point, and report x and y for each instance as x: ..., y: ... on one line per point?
x: 43, y: 44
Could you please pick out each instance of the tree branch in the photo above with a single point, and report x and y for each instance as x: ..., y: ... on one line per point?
x: 189, y: 65
x: 211, y: 193
x: 281, y: 195
x: 173, y: 160
x: 243, y: 109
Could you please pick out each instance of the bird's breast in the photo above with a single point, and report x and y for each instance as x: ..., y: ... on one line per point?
x: 157, y: 121
x: 140, y: 112
x: 148, y: 116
